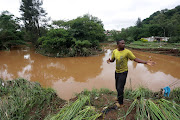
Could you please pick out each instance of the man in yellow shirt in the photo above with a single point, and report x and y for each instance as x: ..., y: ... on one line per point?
x: 121, y: 55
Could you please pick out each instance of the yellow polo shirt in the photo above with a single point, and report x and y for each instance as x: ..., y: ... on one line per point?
x: 121, y: 58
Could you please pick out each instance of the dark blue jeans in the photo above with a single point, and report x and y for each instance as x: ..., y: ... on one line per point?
x: 120, y: 83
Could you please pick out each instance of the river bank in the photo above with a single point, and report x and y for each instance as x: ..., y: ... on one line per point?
x: 72, y: 53
x: 172, y: 49
x: 171, y: 52
x: 21, y: 99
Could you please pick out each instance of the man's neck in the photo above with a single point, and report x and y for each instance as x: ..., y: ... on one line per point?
x: 121, y: 49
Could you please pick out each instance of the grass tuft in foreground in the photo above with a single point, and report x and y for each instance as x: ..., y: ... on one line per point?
x: 78, y: 110
x: 21, y: 99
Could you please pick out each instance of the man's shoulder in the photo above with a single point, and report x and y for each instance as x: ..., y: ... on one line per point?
x: 114, y: 50
x: 127, y: 50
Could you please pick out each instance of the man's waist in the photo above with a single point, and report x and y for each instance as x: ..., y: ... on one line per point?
x: 121, y: 71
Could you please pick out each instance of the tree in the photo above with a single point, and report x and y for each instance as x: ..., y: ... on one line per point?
x: 82, y: 28
x: 32, y: 15
x: 162, y: 21
x: 139, y: 23
x: 10, y: 33
x: 60, y: 43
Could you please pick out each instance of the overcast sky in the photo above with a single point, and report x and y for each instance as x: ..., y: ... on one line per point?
x: 115, y: 14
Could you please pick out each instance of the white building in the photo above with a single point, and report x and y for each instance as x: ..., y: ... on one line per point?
x: 155, y: 38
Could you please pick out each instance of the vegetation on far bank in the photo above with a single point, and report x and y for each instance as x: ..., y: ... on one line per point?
x: 80, y: 36
x: 156, y: 47
x: 24, y: 100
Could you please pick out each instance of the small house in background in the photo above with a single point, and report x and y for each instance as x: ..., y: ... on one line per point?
x: 158, y: 39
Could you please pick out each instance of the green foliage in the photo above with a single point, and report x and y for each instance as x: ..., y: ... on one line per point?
x: 175, y: 94
x: 81, y: 44
x: 146, y: 109
x: 96, y: 93
x: 87, y: 27
x: 20, y: 98
x: 60, y: 42
x: 78, y: 37
x: 8, y: 21
x: 56, y: 41
x: 82, y: 28
x: 137, y: 93
x: 143, y: 40
x: 9, y: 31
x: 77, y: 110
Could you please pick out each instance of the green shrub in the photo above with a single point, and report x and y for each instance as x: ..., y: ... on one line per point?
x: 84, y: 43
x: 95, y: 43
x: 56, y: 41
x: 143, y: 40
x: 60, y: 43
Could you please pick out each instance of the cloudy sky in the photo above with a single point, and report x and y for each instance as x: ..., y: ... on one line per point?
x: 115, y: 14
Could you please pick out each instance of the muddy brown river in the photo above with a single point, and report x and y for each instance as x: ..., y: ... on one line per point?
x: 71, y: 75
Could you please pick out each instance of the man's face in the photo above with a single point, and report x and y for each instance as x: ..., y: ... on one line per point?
x: 121, y: 44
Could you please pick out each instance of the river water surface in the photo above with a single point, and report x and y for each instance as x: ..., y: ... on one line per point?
x: 71, y: 75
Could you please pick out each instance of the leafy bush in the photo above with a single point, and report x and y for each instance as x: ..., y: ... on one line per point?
x: 84, y: 43
x: 60, y: 43
x: 56, y: 41
x: 143, y: 40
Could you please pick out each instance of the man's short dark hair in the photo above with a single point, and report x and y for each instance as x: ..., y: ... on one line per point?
x: 119, y: 41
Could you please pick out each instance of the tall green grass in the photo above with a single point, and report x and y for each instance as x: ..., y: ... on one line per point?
x: 77, y: 110
x: 21, y: 99
x: 175, y: 94
x: 152, y: 109
x: 137, y: 93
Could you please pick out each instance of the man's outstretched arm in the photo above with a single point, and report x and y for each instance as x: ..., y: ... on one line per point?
x: 149, y: 62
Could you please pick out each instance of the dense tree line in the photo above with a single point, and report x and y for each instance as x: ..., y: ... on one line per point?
x: 164, y: 23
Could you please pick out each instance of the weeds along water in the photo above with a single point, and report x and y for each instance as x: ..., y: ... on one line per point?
x: 24, y: 100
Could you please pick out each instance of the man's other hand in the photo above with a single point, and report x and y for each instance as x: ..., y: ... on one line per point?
x: 109, y: 60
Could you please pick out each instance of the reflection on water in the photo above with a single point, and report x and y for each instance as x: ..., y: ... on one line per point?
x: 72, y: 75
